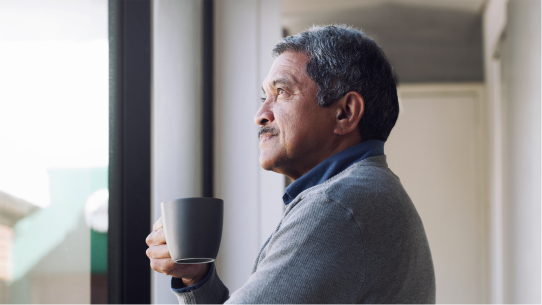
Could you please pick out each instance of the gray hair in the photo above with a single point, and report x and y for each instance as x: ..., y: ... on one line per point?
x: 344, y: 59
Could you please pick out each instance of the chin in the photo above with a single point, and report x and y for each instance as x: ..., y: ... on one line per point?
x: 269, y: 161
x: 266, y: 164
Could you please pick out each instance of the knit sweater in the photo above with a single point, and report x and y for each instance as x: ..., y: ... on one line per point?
x: 356, y: 238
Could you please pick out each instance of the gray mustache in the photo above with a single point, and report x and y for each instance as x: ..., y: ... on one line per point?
x: 270, y: 130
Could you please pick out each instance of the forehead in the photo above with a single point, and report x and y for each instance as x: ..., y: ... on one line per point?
x: 288, y: 66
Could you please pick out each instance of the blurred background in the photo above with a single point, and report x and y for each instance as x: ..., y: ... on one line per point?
x: 54, y: 150
x: 466, y: 145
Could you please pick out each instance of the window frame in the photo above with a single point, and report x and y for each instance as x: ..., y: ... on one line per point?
x: 129, y: 279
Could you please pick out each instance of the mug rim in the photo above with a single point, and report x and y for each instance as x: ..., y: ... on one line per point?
x: 184, y: 198
x: 208, y: 260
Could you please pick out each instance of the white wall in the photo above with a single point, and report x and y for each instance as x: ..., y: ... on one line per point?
x: 245, y: 31
x: 176, y: 111
x: 521, y: 120
x: 512, y: 68
x: 494, y: 21
x: 437, y: 148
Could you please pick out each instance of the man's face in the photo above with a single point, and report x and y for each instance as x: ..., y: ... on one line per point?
x: 295, y: 133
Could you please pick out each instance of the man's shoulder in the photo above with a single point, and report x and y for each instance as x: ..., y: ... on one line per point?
x: 367, y: 183
x: 367, y: 177
x: 369, y: 201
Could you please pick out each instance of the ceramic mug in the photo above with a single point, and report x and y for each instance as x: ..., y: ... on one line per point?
x: 193, y: 228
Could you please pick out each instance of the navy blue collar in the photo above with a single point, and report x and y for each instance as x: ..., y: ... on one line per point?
x: 332, y: 166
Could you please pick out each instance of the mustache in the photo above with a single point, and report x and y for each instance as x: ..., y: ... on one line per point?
x: 267, y: 129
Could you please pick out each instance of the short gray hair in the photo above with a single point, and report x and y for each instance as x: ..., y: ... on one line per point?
x: 344, y: 59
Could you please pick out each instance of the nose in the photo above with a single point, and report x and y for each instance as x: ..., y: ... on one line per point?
x: 264, y: 114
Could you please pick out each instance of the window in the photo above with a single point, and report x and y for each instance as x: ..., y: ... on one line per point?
x: 54, y: 156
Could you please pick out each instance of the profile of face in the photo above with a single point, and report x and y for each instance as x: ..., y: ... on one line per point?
x: 295, y: 132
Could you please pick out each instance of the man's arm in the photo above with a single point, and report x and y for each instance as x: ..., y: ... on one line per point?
x: 314, y: 257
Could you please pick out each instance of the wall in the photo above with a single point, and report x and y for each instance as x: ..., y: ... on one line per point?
x: 520, y: 60
x: 494, y: 20
x: 437, y: 149
x: 512, y: 77
x: 245, y: 32
x: 176, y: 111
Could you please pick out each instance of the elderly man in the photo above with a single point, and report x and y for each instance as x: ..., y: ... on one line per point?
x: 350, y: 233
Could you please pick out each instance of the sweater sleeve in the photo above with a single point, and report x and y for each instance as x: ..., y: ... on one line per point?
x: 213, y: 291
x: 315, y: 256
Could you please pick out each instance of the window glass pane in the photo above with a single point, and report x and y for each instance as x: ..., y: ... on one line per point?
x: 53, y: 151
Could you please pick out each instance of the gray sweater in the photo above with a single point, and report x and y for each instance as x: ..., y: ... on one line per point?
x: 355, y: 238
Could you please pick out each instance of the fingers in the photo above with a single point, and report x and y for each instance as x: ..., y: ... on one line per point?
x: 158, y: 225
x: 193, y: 273
x: 158, y: 252
x: 156, y: 238
x: 164, y: 265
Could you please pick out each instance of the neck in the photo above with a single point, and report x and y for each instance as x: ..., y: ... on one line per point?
x: 337, y: 145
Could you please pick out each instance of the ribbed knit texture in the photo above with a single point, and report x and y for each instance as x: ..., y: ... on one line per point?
x: 355, y: 238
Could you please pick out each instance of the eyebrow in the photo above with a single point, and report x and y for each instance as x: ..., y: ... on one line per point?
x: 283, y: 80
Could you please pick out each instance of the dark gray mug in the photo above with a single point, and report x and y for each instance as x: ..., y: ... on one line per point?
x: 193, y: 228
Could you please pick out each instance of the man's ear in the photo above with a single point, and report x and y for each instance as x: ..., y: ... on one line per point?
x: 348, y: 111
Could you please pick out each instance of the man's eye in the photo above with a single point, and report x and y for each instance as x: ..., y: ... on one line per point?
x: 263, y: 99
x: 281, y: 91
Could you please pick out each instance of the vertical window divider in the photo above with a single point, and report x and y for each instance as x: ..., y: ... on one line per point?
x: 129, y: 275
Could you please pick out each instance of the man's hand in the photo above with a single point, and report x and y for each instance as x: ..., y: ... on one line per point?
x: 161, y: 260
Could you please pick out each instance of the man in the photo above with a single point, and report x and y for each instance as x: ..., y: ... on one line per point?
x: 350, y: 233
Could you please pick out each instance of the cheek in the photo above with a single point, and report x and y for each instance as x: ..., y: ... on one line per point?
x: 295, y: 132
x: 288, y: 125
x: 301, y: 125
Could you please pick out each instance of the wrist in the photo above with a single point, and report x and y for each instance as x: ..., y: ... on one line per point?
x: 199, y: 275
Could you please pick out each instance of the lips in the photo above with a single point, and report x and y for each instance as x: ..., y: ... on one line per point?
x: 266, y: 136
x: 267, y: 133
